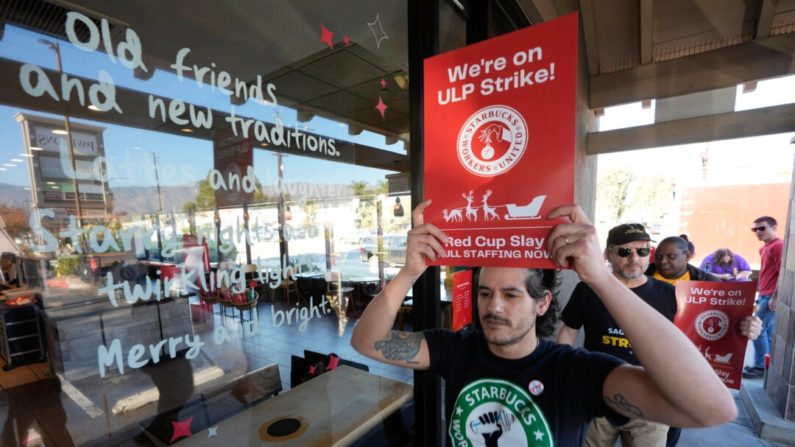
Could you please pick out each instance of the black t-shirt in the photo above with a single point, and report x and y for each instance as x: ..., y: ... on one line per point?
x: 545, y: 399
x: 602, y: 334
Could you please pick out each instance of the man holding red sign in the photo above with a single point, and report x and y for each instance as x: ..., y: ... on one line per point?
x: 506, y: 386
x: 628, y: 253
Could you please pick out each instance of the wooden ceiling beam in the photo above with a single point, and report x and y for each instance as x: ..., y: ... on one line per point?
x: 723, y: 126
x: 764, y: 18
x: 591, y: 40
x: 710, y: 70
x: 646, y: 35
x: 538, y: 11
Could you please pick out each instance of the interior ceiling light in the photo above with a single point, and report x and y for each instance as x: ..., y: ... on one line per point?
x: 56, y: 187
x: 34, y: 148
x: 27, y: 189
x: 187, y: 130
x: 93, y: 107
x: 59, y: 131
x: 50, y: 183
x: 3, y: 169
x: 402, y: 81
x: 25, y: 155
x: 18, y: 160
x: 9, y: 164
x: 263, y: 144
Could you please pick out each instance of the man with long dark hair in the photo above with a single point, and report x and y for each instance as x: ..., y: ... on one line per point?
x: 727, y: 266
x: 507, y: 386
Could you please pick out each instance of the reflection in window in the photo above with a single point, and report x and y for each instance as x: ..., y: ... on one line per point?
x: 187, y: 194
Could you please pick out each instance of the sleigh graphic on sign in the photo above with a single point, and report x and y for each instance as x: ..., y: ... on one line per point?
x: 515, y: 212
x: 725, y: 358
x: 526, y: 212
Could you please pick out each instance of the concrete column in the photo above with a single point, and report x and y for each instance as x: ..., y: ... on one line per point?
x: 781, y: 375
x: 584, y: 165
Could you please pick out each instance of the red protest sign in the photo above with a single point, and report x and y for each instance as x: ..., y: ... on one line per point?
x: 709, y: 313
x: 462, y: 299
x: 499, y: 143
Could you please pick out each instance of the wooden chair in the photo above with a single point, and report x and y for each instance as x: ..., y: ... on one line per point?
x: 289, y: 286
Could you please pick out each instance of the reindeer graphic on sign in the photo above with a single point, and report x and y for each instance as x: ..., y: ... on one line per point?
x: 514, y: 211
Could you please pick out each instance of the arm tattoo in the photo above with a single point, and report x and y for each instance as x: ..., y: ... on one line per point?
x: 622, y: 404
x: 396, y: 347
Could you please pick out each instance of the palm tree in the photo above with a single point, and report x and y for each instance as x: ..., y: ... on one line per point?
x: 359, y: 187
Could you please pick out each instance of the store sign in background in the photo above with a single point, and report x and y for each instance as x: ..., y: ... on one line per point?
x: 82, y: 143
x: 499, y: 143
x: 709, y: 313
x: 53, y: 167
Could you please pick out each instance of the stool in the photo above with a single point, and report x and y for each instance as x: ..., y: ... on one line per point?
x: 335, y: 292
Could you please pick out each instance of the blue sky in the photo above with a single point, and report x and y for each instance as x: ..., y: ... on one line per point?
x: 180, y: 159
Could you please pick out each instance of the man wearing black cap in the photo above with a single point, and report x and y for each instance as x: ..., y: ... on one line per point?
x: 628, y: 253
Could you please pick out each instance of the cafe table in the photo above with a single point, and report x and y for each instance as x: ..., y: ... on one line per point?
x: 334, y: 409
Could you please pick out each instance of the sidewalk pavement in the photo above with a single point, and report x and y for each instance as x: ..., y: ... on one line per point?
x: 739, y: 433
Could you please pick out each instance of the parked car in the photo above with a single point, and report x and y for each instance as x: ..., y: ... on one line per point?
x: 351, y: 236
x: 394, y: 248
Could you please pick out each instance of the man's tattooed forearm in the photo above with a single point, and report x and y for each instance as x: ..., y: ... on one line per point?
x: 622, y: 404
x: 396, y: 347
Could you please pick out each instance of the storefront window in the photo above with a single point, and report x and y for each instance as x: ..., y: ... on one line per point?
x: 199, y: 201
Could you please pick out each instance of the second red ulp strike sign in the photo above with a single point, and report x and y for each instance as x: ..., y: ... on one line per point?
x: 499, y: 143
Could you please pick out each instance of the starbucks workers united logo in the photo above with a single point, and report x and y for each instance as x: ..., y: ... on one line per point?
x: 492, y: 141
x: 498, y: 413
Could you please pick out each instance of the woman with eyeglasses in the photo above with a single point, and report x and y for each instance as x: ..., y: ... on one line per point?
x: 727, y: 266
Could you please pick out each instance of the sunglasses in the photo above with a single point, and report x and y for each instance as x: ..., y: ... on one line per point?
x: 762, y: 228
x: 625, y: 252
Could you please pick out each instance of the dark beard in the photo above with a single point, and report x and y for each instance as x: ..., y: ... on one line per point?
x: 513, y: 340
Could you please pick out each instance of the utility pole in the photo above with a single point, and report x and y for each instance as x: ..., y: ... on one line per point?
x: 160, y: 200
x: 157, y: 180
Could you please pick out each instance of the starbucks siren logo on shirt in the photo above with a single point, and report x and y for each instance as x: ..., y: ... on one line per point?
x: 497, y: 413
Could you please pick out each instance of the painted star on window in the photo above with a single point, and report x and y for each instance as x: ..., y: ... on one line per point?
x: 378, y: 36
x: 213, y: 431
x: 346, y: 40
x: 381, y: 106
x: 539, y: 435
x: 326, y: 36
x: 383, y: 83
x: 312, y: 369
x: 181, y: 428
x: 333, y: 362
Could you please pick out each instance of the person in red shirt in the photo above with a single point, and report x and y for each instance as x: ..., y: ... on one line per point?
x: 765, y: 230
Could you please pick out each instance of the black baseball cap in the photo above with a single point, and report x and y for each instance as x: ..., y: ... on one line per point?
x: 626, y: 233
